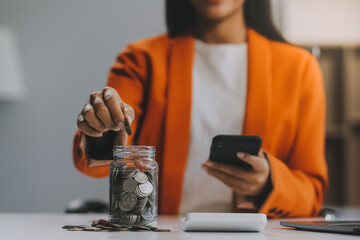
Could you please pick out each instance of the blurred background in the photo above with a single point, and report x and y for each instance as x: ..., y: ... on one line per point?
x: 53, y: 54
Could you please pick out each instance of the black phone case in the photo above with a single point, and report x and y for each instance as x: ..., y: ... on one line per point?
x: 225, y: 147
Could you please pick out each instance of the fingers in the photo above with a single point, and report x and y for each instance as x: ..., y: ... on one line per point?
x: 229, y: 169
x: 115, y: 106
x: 101, y: 110
x: 105, y: 111
x: 92, y: 119
x: 259, y: 163
x: 86, y: 128
x: 236, y: 184
x: 240, y: 186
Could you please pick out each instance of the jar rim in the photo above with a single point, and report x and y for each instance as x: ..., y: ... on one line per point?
x: 135, y: 147
x: 129, y: 151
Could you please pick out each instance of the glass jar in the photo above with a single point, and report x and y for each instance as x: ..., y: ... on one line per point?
x: 133, y: 186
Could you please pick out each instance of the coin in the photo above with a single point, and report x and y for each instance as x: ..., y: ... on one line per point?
x: 129, y: 200
x: 122, y: 207
x: 147, y: 215
x: 130, y: 185
x: 110, y: 224
x: 102, y: 225
x: 120, y: 217
x: 93, y: 229
x: 134, y: 219
x: 132, y: 195
x: 140, y: 205
x: 161, y: 230
x: 128, y: 127
x: 140, y: 228
x: 75, y: 229
x: 119, y: 230
x: 142, y: 201
x: 138, y: 210
x: 73, y: 226
x: 150, y: 176
x: 141, y: 177
x: 128, y: 172
x: 145, y: 189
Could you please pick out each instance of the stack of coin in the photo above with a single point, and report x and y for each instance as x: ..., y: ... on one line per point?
x: 132, y: 195
x: 102, y: 225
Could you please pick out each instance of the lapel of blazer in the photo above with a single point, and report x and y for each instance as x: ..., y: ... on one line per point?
x: 177, y: 123
x: 258, y: 100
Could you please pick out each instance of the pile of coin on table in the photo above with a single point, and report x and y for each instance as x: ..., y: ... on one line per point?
x: 132, y: 196
x: 102, y: 225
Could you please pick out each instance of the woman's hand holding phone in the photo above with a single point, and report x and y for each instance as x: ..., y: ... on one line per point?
x: 246, y: 182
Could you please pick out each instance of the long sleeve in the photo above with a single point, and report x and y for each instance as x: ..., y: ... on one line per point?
x: 128, y: 76
x: 300, y: 181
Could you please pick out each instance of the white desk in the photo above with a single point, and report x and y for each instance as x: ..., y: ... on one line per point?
x: 49, y: 226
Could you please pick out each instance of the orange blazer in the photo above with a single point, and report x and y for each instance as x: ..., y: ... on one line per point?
x: 285, y: 106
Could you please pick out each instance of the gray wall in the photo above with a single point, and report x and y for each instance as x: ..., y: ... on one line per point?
x: 66, y: 50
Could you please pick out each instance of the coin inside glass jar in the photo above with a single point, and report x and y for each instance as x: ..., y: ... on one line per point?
x: 129, y: 200
x: 147, y: 215
x: 146, y: 188
x: 130, y: 185
x: 141, y: 177
x: 133, y: 187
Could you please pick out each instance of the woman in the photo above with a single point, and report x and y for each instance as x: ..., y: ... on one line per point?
x: 221, y: 69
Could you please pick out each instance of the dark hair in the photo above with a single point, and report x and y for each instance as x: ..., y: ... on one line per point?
x: 180, y: 17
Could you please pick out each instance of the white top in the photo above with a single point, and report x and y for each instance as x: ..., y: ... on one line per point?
x: 219, y: 81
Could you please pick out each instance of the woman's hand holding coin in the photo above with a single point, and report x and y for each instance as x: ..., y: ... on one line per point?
x: 105, y: 111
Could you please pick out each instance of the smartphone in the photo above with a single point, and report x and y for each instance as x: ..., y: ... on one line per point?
x: 224, y: 148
